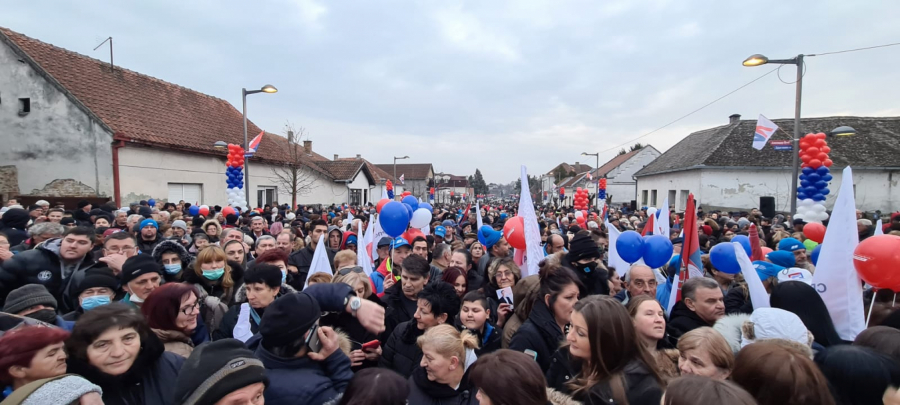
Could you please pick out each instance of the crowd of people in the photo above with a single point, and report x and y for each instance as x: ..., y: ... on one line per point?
x: 151, y: 304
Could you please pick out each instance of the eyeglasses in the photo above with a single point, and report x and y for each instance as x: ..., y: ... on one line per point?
x: 116, y: 250
x: 347, y: 270
x: 190, y: 310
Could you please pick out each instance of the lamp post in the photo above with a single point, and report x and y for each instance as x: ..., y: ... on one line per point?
x: 395, y: 165
x: 597, y: 166
x: 244, y: 92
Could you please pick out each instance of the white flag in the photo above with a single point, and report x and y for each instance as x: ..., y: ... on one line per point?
x: 758, y: 295
x: 533, y: 252
x: 764, y: 131
x: 362, y: 249
x: 320, y: 263
x: 477, y: 216
x: 661, y: 222
x: 613, y: 259
x: 401, y: 178
x: 835, y: 278
x: 377, y: 234
x: 879, y: 227
x: 384, y: 195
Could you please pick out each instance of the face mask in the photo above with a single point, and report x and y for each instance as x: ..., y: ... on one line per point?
x: 214, y: 274
x: 283, y: 276
x: 135, y: 299
x: 589, y: 267
x: 47, y: 315
x: 172, y: 268
x: 89, y: 303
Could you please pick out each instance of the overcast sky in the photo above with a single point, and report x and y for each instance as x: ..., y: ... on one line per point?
x: 492, y: 84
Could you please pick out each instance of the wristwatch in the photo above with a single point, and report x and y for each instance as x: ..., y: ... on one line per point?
x: 354, y: 302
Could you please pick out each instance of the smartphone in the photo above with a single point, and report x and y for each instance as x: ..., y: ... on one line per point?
x: 371, y: 345
x: 312, y: 340
x: 531, y: 353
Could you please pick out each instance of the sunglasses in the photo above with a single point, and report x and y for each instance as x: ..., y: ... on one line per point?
x: 347, y: 270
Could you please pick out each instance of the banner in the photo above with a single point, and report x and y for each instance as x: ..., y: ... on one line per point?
x: 764, y: 131
x: 320, y: 262
x: 532, y: 234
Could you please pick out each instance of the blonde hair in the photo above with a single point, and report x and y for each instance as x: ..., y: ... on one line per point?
x: 352, y: 278
x: 319, y: 278
x: 213, y: 253
x: 448, y: 341
x: 344, y: 256
x: 477, y: 243
x: 506, y: 262
x: 712, y: 341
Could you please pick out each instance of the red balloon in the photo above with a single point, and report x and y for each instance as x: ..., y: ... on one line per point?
x: 820, y: 135
x: 407, y: 193
x: 584, y: 213
x: 822, y: 156
x: 578, y: 190
x: 562, y: 190
x: 804, y: 145
x: 204, y: 211
x: 827, y: 163
x: 514, y: 232
x: 804, y: 165
x: 814, y: 231
x: 805, y: 158
x: 411, y: 234
x: 381, y: 204
x: 825, y: 149
x: 228, y: 210
x: 877, y: 260
x: 812, y: 151
x: 815, y: 163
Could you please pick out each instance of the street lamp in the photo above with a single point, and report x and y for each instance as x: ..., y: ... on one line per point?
x: 220, y: 145
x: 244, y: 92
x: 597, y: 166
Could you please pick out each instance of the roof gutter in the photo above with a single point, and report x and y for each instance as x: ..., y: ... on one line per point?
x: 759, y: 168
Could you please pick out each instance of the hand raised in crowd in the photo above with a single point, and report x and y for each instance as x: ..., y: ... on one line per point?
x: 503, y: 311
x: 370, y: 315
x: 388, y: 282
x: 329, y: 339
x: 5, y: 254
x: 114, y: 262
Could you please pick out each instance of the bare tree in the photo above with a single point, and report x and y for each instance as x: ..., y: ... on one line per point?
x: 295, y: 175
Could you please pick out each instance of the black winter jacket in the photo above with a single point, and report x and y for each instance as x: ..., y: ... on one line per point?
x: 737, y: 303
x: 42, y: 265
x: 641, y: 388
x: 401, y: 353
x: 681, y: 321
x: 305, y: 381
x: 396, y: 311
x: 149, y: 381
x: 540, y: 333
x: 214, y: 288
x: 595, y: 282
x: 423, y: 391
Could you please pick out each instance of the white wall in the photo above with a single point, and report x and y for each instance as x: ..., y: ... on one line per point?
x: 741, y: 189
x: 56, y: 140
x: 620, y: 184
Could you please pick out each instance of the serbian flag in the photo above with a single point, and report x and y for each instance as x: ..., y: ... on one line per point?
x: 254, y: 144
x: 764, y: 131
x: 401, y: 178
x: 648, y: 226
x: 690, y: 253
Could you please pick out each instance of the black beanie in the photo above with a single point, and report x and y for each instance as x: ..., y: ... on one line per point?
x: 83, y: 203
x: 28, y: 296
x: 288, y: 318
x: 99, y: 277
x: 231, y: 219
x: 582, y: 247
x: 138, y: 265
x: 145, y: 212
x: 198, y: 221
x: 216, y: 369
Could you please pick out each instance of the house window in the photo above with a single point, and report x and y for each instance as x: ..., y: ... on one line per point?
x: 652, y: 198
x: 643, y: 197
x: 671, y: 199
x: 355, y: 196
x: 24, y: 106
x: 682, y: 202
x: 266, y: 196
x: 189, y: 193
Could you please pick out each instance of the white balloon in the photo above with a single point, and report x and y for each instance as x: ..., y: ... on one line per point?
x: 421, y: 218
x: 651, y: 211
x: 807, y: 202
x: 578, y: 214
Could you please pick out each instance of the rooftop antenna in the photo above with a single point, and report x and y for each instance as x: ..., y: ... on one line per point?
x: 110, y: 51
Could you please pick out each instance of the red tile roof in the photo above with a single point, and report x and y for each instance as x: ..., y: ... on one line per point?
x: 410, y: 171
x: 145, y: 109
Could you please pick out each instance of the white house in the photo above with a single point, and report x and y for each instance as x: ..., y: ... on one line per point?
x: 618, y: 171
x: 723, y: 171
x: 74, y: 127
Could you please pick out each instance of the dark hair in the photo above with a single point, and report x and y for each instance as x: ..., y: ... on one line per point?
x: 530, y: 387
x: 803, y: 300
x: 376, y: 386
x: 690, y: 287
x: 693, y: 389
x: 882, y: 339
x: 857, y: 375
x: 262, y: 273
x: 775, y: 374
x: 468, y: 255
x: 317, y: 222
x: 442, y: 298
x: 93, y: 323
x: 614, y: 344
x: 161, y: 307
x: 555, y: 278
x: 272, y: 256
x: 476, y: 296
x: 82, y: 231
x: 119, y: 236
x: 416, y: 265
x: 451, y: 273
x: 202, y: 235
x: 418, y: 239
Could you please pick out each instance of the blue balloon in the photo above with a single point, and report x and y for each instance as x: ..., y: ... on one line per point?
x: 814, y: 177
x: 412, y: 201
x: 409, y: 210
x: 426, y: 206
x: 803, y: 177
x: 194, y: 210
x: 152, y: 202
x: 630, y: 246
x: 802, y: 195
x: 827, y: 177
x: 815, y: 254
x: 808, y: 170
x: 657, y: 251
x: 723, y: 258
x: 818, y: 197
x: 823, y: 170
x: 804, y: 183
x: 394, y: 218
x: 745, y: 242
x: 824, y: 191
x: 811, y: 190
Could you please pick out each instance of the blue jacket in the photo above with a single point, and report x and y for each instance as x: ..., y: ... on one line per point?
x: 305, y: 381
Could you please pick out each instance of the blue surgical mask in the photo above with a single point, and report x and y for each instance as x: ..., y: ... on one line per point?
x: 172, y: 268
x: 214, y: 274
x: 283, y: 276
x: 94, y: 301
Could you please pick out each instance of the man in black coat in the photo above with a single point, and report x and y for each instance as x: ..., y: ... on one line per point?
x: 702, y: 304
x: 583, y: 260
x: 58, y: 265
x: 302, y: 258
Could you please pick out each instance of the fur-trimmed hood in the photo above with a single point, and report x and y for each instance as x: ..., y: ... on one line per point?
x: 729, y: 327
x: 558, y: 398
x: 213, y: 222
x: 166, y: 246
x: 240, y: 296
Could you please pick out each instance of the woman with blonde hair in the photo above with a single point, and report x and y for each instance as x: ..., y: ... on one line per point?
x: 360, y: 359
x: 216, y: 280
x: 442, y: 376
x: 477, y: 250
x: 704, y: 352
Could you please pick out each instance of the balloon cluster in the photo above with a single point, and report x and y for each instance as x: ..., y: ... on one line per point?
x: 581, y: 198
x: 814, y: 178
x: 562, y: 193
x: 581, y: 218
x: 601, y: 189
x: 390, y: 189
x: 655, y: 250
x: 876, y: 259
x: 431, y: 194
x: 723, y: 258
x: 234, y: 171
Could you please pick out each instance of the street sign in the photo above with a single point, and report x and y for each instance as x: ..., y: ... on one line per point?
x: 781, y: 145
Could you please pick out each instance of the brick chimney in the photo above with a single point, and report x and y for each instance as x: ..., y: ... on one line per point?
x: 335, y: 156
x: 734, y: 118
x: 307, y: 147
x: 358, y: 156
